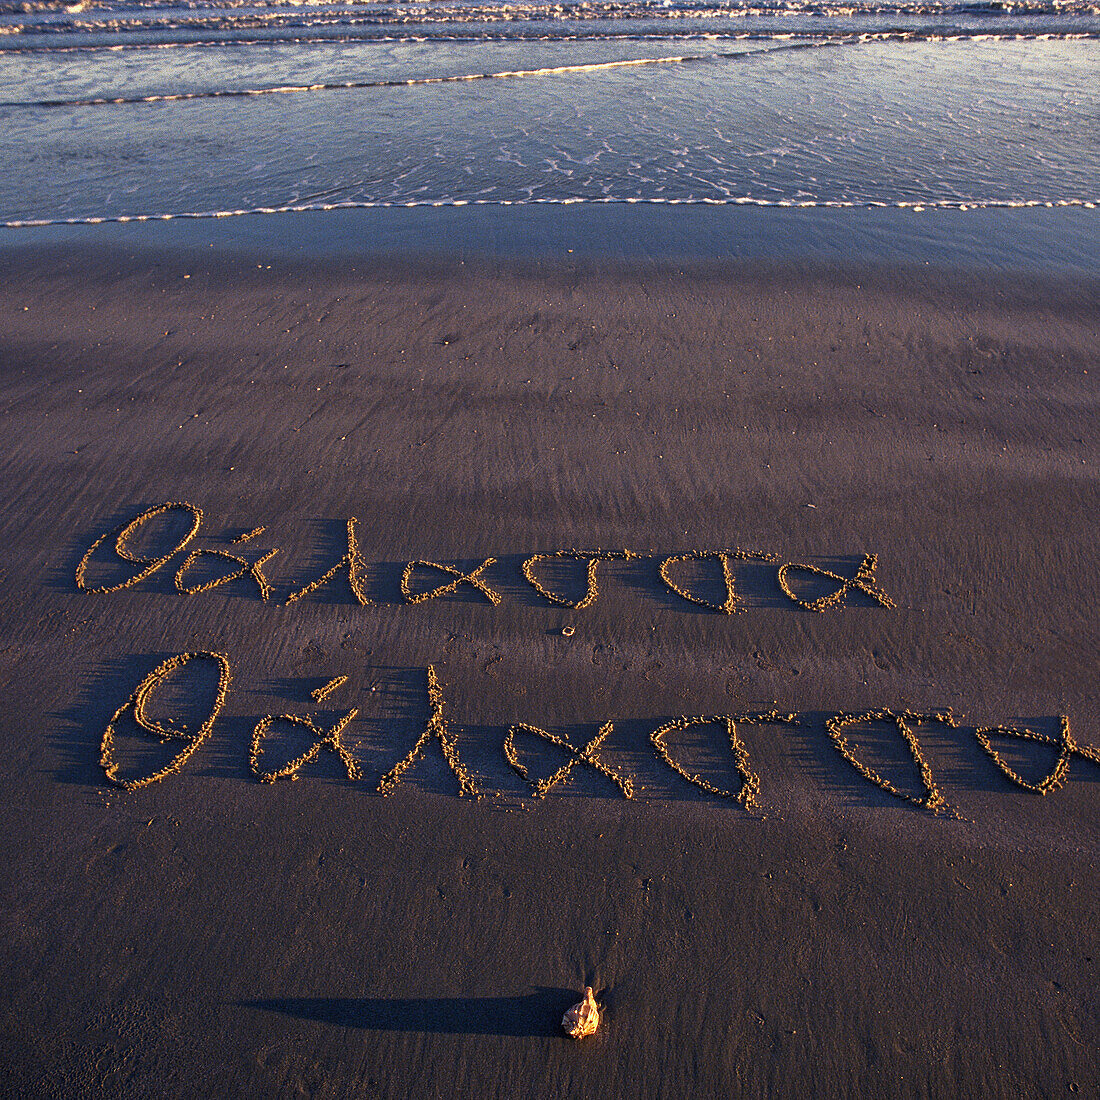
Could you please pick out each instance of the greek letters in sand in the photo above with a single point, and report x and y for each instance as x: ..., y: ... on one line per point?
x: 354, y: 568
x: 439, y: 730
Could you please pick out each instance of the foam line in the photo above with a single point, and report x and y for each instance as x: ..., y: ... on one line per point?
x: 931, y: 35
x: 387, y: 40
x: 917, y: 206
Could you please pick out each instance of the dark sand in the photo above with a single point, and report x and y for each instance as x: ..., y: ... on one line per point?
x: 210, y: 935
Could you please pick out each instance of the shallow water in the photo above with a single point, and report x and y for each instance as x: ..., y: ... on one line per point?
x: 121, y: 111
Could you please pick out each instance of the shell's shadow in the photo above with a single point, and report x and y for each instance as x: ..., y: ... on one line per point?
x: 536, y: 1014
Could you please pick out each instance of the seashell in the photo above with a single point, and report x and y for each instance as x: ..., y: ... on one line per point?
x: 583, y: 1018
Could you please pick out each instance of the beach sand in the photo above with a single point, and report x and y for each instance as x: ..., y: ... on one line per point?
x: 211, y: 935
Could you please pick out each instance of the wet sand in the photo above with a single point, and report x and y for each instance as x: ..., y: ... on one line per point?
x: 813, y: 933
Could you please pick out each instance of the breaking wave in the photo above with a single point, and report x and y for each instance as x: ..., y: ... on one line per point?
x: 346, y: 85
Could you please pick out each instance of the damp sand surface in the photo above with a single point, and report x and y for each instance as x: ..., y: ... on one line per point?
x: 214, y: 935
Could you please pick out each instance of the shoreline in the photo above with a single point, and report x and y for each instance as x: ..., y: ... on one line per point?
x: 1048, y: 241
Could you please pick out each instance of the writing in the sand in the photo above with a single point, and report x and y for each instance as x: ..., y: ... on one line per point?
x: 439, y: 735
x: 206, y: 568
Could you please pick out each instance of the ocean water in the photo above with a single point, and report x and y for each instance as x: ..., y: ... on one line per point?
x: 145, y: 110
